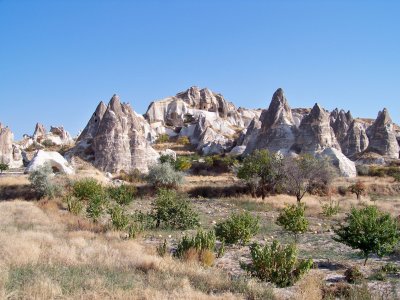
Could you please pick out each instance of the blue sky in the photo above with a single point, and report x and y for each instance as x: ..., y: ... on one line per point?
x: 58, y: 59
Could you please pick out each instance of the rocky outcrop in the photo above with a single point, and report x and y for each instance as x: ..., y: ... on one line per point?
x: 115, y: 139
x: 341, y: 124
x: 278, y: 129
x: 346, y: 167
x: 10, y: 153
x: 315, y: 132
x: 191, y: 112
x: 356, y: 140
x: 382, y: 136
x: 51, y: 158
x: 56, y: 136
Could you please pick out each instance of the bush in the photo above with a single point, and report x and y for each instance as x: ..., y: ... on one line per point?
x: 215, y: 164
x: 377, y: 172
x: 74, y: 205
x: 362, y: 170
x: 3, y: 167
x: 173, y: 210
x: 87, y: 188
x: 166, y: 158
x: 122, y: 194
x: 262, y: 172
x: 183, y: 140
x: 396, y: 177
x: 238, y: 228
x: 369, y: 230
x: 139, y: 222
x: 163, y: 138
x: 353, y: 275
x: 277, y: 264
x: 133, y: 176
x: 292, y: 218
x: 41, y: 182
x: 119, y: 219
x: 96, y: 206
x: 162, y: 249
x: 342, y: 190
x: 182, y: 164
x: 48, y: 143
x: 330, y: 208
x: 201, y: 247
x: 164, y: 176
x: 358, y: 188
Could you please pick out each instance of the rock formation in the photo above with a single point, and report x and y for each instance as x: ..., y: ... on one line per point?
x: 277, y: 132
x: 341, y: 124
x: 10, y: 153
x: 315, y: 132
x: 52, y: 158
x: 114, y: 139
x: 356, y: 140
x: 56, y: 136
x: 382, y: 136
x: 192, y: 112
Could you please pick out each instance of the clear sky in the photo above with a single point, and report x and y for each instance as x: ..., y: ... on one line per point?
x: 58, y: 59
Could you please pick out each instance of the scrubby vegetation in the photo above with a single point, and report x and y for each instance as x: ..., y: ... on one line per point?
x: 292, y: 218
x: 3, y: 167
x: 238, y: 228
x: 164, y: 175
x: 277, y: 263
x: 41, y: 182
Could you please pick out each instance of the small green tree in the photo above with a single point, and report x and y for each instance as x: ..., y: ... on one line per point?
x: 41, y: 181
x: 86, y: 188
x: 122, y: 194
x: 174, y: 210
x: 369, y: 230
x: 3, y: 167
x: 96, y: 207
x: 292, y: 218
x: 262, y: 171
x: 277, y: 264
x: 304, y: 172
x: 119, y: 219
x: 238, y: 228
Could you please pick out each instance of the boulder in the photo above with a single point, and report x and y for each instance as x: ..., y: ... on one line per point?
x: 346, y: 167
x: 382, y: 136
x: 52, y: 158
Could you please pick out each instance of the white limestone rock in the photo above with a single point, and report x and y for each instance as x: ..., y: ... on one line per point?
x: 52, y: 158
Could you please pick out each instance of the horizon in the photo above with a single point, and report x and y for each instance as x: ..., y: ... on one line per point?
x: 59, y: 60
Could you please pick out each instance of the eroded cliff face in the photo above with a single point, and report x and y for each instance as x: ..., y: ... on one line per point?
x: 382, y: 136
x: 115, y: 139
x: 210, y: 121
x: 10, y: 153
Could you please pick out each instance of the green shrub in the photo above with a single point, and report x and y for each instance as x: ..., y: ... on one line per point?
x: 96, y: 207
x: 362, y: 170
x: 74, y: 205
x: 377, y: 171
x: 163, y: 138
x: 292, y: 218
x: 369, y: 230
x: 183, y: 140
x: 182, y: 164
x: 342, y: 190
x: 41, y: 182
x: 164, y: 176
x: 262, y: 171
x: 87, y: 188
x: 330, y: 208
x: 3, y: 167
x: 48, y: 143
x: 277, y: 264
x: 353, y: 275
x: 119, y: 219
x: 166, y: 158
x: 122, y: 194
x: 173, y: 210
x: 396, y: 177
x: 238, y: 228
x: 201, y: 247
x: 390, y: 268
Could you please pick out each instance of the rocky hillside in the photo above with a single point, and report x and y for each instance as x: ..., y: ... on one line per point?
x: 117, y: 138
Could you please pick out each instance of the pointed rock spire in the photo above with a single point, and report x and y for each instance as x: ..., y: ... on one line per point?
x: 382, y: 136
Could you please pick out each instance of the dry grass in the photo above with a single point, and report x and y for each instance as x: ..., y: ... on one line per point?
x: 40, y: 258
